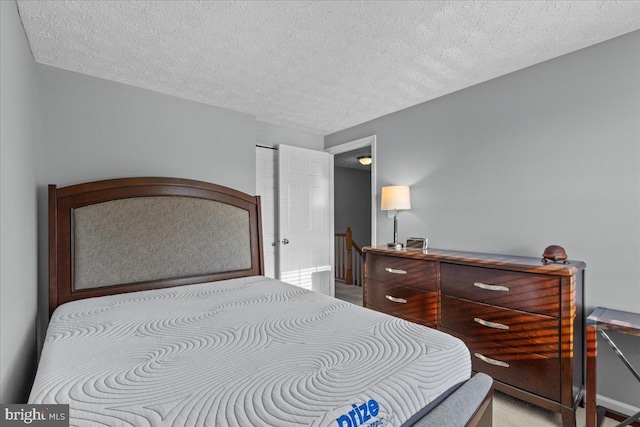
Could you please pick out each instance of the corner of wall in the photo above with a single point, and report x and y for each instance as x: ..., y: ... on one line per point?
x: 18, y: 253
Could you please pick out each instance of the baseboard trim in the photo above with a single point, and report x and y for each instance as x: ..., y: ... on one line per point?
x: 616, y: 406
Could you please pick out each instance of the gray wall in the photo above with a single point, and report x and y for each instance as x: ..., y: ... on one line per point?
x: 92, y: 128
x: 352, y: 203
x: 18, y: 285
x: 546, y: 155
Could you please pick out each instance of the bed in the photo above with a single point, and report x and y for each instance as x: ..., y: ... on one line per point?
x: 160, y: 316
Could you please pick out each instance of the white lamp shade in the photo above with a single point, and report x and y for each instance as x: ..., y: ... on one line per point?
x: 396, y: 197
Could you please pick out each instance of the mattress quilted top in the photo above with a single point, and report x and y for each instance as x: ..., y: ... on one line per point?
x: 242, y: 352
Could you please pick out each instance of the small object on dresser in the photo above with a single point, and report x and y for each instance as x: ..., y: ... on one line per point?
x: 554, y: 253
x: 418, y: 242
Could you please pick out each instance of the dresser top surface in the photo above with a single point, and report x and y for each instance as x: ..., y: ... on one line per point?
x: 507, y: 262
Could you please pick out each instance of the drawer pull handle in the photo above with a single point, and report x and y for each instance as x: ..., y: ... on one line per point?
x: 489, y: 324
x: 491, y: 287
x: 394, y: 299
x: 491, y: 361
x: 395, y: 270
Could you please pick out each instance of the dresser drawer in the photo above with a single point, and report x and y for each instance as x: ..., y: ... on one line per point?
x: 404, y: 302
x: 530, y: 292
x: 408, y: 318
x: 527, y: 371
x: 528, y: 332
x: 402, y: 271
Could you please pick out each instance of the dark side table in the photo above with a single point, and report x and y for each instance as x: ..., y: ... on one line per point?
x: 600, y: 321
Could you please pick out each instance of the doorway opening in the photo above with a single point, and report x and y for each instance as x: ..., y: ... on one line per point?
x: 354, y: 213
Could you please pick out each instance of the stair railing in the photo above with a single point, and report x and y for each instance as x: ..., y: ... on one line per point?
x: 348, y: 266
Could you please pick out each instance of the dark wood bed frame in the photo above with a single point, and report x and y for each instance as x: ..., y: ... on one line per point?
x: 63, y: 201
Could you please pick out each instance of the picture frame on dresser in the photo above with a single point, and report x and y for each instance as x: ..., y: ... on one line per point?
x: 522, y: 319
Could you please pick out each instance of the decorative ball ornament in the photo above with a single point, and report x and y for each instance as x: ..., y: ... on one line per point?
x: 554, y: 253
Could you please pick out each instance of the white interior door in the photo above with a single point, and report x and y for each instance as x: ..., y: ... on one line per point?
x: 266, y: 161
x: 305, y: 212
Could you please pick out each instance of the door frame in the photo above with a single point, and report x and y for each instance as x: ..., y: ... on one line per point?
x: 273, y: 214
x: 352, y: 145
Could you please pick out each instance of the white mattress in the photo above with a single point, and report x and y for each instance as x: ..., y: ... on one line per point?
x: 243, y: 352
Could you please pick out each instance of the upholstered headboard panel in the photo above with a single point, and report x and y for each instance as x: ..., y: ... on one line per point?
x: 151, y: 238
x: 133, y: 234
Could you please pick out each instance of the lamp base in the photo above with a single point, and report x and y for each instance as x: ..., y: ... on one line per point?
x: 395, y: 245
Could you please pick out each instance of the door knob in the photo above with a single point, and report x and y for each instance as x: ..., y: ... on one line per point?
x: 285, y: 241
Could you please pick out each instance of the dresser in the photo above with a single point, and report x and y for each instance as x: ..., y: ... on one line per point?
x: 521, y: 319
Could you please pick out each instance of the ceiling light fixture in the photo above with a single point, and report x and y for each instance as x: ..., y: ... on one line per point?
x: 365, y: 160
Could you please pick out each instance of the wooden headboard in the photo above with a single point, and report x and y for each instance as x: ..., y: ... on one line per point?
x: 132, y: 234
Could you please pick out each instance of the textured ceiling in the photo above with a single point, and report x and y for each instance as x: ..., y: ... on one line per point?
x: 315, y: 66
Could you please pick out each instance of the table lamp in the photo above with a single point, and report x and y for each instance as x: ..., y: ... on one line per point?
x: 395, y: 198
